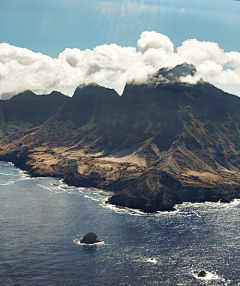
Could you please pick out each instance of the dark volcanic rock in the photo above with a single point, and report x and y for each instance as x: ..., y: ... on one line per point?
x: 90, y: 238
x: 130, y: 202
x: 202, y: 273
x: 32, y: 108
x: 159, y: 144
x: 174, y: 74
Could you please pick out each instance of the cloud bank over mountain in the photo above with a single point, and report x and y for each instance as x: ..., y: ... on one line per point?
x: 113, y: 65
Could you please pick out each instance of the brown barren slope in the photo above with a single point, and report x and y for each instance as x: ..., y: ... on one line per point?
x: 159, y: 144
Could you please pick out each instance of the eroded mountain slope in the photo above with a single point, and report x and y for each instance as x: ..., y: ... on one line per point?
x: 159, y: 144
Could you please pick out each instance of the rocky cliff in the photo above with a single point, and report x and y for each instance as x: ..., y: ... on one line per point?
x: 161, y: 143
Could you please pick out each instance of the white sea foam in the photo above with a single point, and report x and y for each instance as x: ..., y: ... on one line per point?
x: 63, y: 190
x: 122, y: 210
x: 89, y: 193
x: 95, y: 191
x: 77, y: 241
x: 46, y: 188
x: 152, y: 260
x: 214, y: 205
x: 24, y: 178
x: 7, y: 183
x: 137, y: 212
x: 59, y: 187
x: 235, y: 202
x: 6, y: 164
x: 129, y: 211
x: 144, y: 259
x: 6, y: 174
x: 210, y: 276
x: 23, y: 172
x: 91, y: 198
x: 55, y: 184
x: 65, y: 187
x: 15, y: 176
x: 196, y: 214
x: 60, y: 184
x: 23, y: 175
x: 175, y: 212
x: 180, y: 209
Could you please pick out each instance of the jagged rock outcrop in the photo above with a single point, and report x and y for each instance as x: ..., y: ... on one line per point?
x: 90, y: 238
x: 202, y: 273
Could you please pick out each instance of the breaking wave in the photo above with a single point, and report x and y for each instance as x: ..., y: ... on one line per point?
x: 211, y: 276
x: 77, y: 241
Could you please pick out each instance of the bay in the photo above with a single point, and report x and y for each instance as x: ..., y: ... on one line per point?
x: 42, y: 221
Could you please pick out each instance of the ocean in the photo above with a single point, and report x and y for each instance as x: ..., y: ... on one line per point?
x: 42, y: 222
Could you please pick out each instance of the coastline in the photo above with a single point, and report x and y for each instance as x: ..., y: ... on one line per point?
x: 154, y: 147
x: 129, y: 188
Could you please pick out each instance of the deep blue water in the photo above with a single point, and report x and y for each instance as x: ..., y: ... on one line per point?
x: 42, y: 221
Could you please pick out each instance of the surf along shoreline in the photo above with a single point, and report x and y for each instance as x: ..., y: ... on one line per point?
x: 42, y: 162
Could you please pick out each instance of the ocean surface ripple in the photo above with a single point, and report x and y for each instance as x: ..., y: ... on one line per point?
x: 43, y: 220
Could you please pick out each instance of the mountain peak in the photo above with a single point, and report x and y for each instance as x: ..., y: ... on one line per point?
x: 173, y: 75
x: 93, y: 90
x: 161, y: 143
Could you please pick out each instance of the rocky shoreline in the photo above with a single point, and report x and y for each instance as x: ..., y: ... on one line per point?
x: 131, y: 189
x: 161, y: 143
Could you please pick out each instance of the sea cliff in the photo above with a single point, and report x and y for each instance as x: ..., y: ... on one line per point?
x: 161, y: 143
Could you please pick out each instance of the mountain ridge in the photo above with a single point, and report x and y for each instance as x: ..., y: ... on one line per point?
x: 157, y: 145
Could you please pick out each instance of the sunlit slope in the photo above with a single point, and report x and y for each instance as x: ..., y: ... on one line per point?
x: 160, y: 143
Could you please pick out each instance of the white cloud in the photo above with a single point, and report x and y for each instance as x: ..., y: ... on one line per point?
x: 190, y: 79
x: 197, y: 52
x: 154, y: 40
x: 212, y: 63
x: 114, y: 66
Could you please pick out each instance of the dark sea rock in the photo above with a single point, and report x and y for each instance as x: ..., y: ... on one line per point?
x: 90, y: 238
x: 126, y: 201
x: 202, y: 273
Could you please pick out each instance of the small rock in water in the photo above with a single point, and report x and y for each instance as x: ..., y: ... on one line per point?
x: 202, y: 273
x: 89, y: 238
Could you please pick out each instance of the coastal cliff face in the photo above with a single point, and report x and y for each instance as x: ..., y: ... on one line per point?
x: 160, y: 143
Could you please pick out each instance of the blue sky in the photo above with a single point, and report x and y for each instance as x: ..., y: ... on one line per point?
x: 51, y: 26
